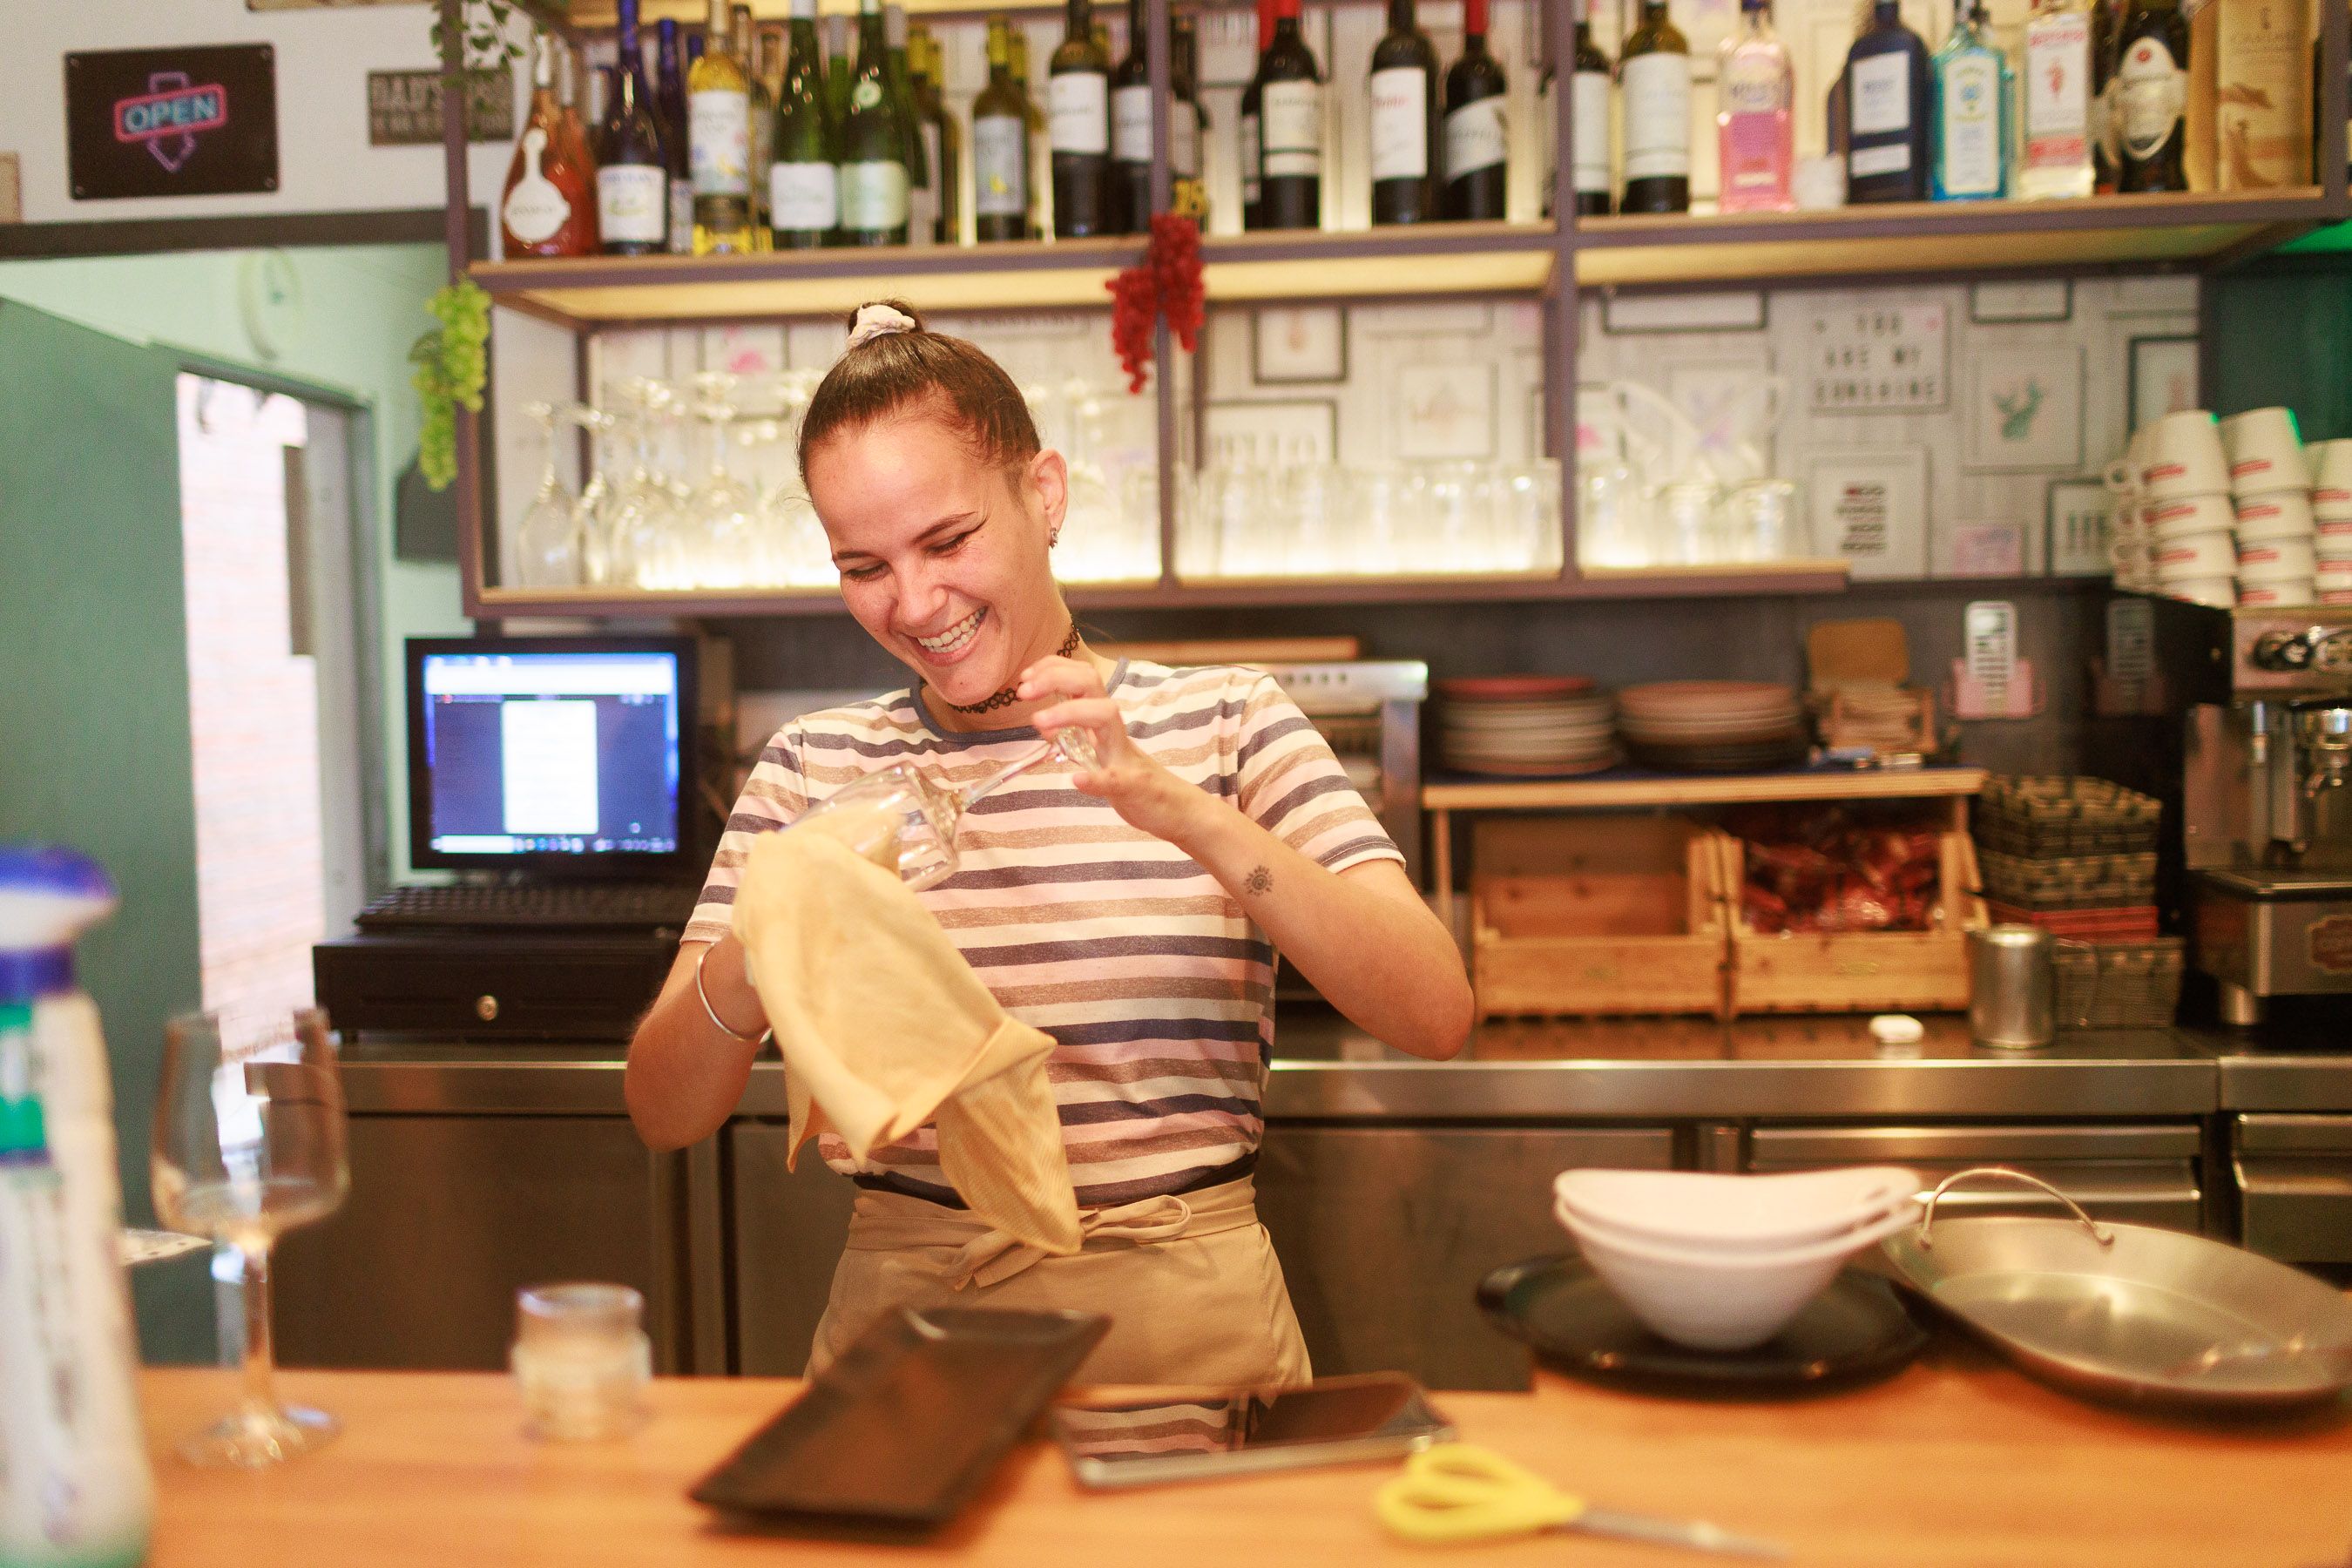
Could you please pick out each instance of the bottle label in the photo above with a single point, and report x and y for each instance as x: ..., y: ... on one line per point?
x: 2262, y: 71
x: 1000, y: 167
x: 874, y: 194
x: 1130, y: 123
x: 1293, y: 128
x: 803, y: 196
x: 1880, y: 95
x: 1250, y: 145
x: 632, y: 203
x: 1657, y: 116
x: 1892, y: 159
x: 719, y: 143
x: 1971, y: 143
x: 923, y: 201
x: 1753, y: 144
x: 2152, y: 91
x: 1184, y: 140
x: 1475, y: 137
x: 1587, y: 98
x: 1078, y: 112
x: 534, y: 210
x: 681, y: 216
x: 2058, y: 90
x: 1400, y: 123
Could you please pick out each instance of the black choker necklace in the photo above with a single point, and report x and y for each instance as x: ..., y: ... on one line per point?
x: 1006, y: 697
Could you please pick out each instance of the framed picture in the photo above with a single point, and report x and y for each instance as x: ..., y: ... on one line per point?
x: 2039, y: 299
x: 1298, y: 346
x: 2078, y: 513
x: 1866, y: 356
x: 1301, y: 430
x: 1441, y: 411
x: 1869, y: 506
x: 1976, y: 549
x: 1437, y: 318
x: 1720, y: 310
x: 2025, y: 409
x: 2162, y: 376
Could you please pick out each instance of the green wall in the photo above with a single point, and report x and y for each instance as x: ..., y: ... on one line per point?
x: 2282, y: 331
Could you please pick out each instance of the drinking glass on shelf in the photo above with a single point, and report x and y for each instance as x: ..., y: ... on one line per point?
x: 593, y: 511
x: 249, y: 1143
x: 1761, y: 521
x: 644, y: 523
x: 547, y: 540
x: 722, y: 511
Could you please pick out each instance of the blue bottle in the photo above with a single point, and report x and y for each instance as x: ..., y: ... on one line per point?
x: 1972, y: 117
x: 1886, y: 108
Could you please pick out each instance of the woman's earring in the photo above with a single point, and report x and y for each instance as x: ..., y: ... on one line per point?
x: 1053, y: 538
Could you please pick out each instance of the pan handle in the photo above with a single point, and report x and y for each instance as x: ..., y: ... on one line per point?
x: 2099, y: 1233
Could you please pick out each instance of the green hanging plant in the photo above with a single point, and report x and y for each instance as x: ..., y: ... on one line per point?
x: 452, y: 364
x: 484, y: 24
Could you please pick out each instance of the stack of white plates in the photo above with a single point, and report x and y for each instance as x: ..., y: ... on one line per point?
x: 1712, y: 726
x: 1526, y: 725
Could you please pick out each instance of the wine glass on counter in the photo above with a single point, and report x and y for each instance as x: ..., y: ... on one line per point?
x: 249, y: 1143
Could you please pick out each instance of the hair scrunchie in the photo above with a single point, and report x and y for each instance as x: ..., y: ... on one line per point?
x: 879, y: 322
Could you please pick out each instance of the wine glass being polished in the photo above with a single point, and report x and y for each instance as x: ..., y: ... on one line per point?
x: 249, y: 1143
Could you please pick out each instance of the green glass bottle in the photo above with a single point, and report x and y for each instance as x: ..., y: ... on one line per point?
x: 873, y: 149
x: 804, y: 187
x: 920, y: 203
x: 1000, y: 147
x: 942, y: 148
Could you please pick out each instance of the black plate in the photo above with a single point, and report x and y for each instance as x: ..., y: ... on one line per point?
x: 1854, y: 1331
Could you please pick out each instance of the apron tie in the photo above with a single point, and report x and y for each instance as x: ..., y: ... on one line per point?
x: 992, y: 1257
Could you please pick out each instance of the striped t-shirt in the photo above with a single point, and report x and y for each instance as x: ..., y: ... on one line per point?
x: 1156, y: 988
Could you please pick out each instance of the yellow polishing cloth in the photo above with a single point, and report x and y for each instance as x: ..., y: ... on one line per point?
x: 883, y: 1027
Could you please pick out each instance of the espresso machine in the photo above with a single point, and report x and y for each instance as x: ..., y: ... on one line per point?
x: 2266, y: 804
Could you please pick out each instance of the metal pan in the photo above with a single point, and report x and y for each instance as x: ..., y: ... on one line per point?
x: 2130, y: 1311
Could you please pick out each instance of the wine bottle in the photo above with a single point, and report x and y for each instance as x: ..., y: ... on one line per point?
x: 1078, y: 93
x: 633, y: 174
x: 836, y: 73
x: 2258, y: 126
x: 2152, y: 97
x: 1187, y: 127
x: 718, y: 141
x: 1477, y: 135
x: 1130, y: 128
x: 804, y: 186
x: 1000, y: 147
x: 873, y: 149
x: 1408, y: 125
x: 1588, y: 101
x: 572, y: 125
x: 1755, y: 125
x: 1886, y: 91
x: 2054, y: 157
x: 1655, y: 72
x: 2106, y: 125
x: 922, y: 200
x: 1252, y: 125
x: 546, y: 208
x: 756, y: 46
x: 1041, y: 145
x: 670, y: 91
x: 1970, y: 144
x: 1290, y: 182
x: 942, y: 148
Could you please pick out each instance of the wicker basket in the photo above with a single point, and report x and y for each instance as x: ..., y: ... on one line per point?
x: 2118, y: 985
x: 2040, y: 818
x: 2070, y: 881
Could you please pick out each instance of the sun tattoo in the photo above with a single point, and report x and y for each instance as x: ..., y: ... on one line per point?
x: 1259, y: 880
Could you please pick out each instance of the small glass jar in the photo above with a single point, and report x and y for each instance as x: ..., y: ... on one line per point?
x: 582, y: 1359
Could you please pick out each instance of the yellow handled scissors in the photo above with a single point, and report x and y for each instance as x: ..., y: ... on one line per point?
x: 1454, y: 1492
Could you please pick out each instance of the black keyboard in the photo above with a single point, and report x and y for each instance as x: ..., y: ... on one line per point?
x: 605, y: 904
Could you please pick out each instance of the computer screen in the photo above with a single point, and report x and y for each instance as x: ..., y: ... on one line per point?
x: 554, y: 754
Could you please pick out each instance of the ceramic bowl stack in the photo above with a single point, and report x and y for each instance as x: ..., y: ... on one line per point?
x: 2271, y: 486
x: 1722, y: 1262
x: 2176, y: 478
x: 2331, y: 511
x: 1526, y: 725
x: 1712, y: 726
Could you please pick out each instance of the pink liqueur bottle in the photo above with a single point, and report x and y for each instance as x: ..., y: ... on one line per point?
x: 1756, y: 138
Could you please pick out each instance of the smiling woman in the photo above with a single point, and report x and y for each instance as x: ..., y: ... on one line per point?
x: 1132, y: 910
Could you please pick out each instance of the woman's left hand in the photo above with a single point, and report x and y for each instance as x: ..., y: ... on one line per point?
x: 1143, y: 792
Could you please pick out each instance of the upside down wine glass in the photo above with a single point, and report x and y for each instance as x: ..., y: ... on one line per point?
x: 904, y: 822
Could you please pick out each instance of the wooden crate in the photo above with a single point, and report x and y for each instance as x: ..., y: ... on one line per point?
x: 1591, y: 915
x: 1854, y: 972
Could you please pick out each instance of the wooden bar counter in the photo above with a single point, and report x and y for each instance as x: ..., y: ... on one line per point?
x: 1957, y: 1461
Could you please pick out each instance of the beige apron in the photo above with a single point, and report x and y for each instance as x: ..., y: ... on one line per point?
x: 1191, y: 1284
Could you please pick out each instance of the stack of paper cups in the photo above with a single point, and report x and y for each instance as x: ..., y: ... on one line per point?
x: 2331, y: 510
x: 2183, y: 477
x: 2270, y: 482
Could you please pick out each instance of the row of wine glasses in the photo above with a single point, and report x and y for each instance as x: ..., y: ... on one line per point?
x: 1258, y: 519
x: 695, y: 485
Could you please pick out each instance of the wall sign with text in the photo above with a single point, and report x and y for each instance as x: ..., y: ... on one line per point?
x: 193, y: 122
x: 1865, y: 358
x: 404, y: 108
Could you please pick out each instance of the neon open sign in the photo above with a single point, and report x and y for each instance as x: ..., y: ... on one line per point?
x: 167, y: 116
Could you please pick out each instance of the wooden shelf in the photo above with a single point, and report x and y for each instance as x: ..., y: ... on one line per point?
x: 1943, y: 238
x: 1643, y: 789
x: 1415, y: 259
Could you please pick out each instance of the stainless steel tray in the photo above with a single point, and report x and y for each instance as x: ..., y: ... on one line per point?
x: 2130, y: 1311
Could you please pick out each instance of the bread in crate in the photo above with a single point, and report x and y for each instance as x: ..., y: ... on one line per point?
x: 1595, y: 914
x: 1837, y: 910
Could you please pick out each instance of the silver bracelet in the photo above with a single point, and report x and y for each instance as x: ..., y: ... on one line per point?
x: 717, y: 1023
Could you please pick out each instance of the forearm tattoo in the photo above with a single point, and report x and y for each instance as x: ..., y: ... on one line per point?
x: 1259, y: 880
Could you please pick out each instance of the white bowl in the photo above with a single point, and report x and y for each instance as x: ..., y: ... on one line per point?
x: 2213, y: 554
x: 2219, y: 591
x: 2270, y: 559
x: 2277, y: 593
x: 1721, y: 1300
x: 2281, y: 516
x: 2177, y: 515
x: 1703, y: 1208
